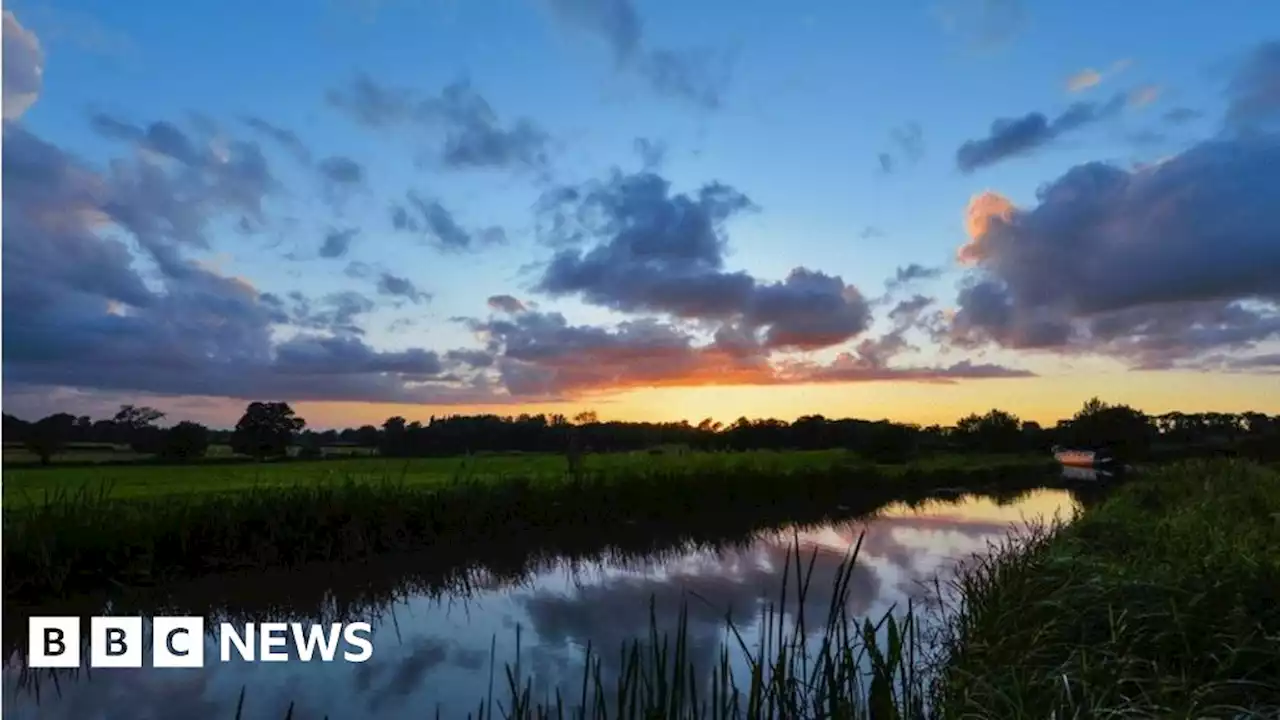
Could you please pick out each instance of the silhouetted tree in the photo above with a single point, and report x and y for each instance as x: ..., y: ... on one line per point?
x: 47, y: 436
x: 137, y: 427
x: 266, y: 430
x: 996, y: 432
x: 1120, y: 429
x: 185, y: 441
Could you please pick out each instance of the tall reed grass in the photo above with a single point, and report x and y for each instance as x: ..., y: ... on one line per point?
x: 1162, y: 602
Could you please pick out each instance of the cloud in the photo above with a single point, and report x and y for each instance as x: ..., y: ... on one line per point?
x: 910, y: 273
x: 506, y: 304
x: 1090, y: 78
x: 1083, y: 80
x: 1181, y: 115
x: 426, y: 216
x: 337, y: 242
x: 653, y: 153
x: 1254, y: 90
x: 341, y: 171
x: 78, y: 311
x: 984, y: 24
x: 908, y: 147
x: 543, y: 355
x: 649, y: 250
x: 698, y: 77
x: 1145, y: 95
x: 335, y: 313
x: 397, y: 286
x: 285, y: 138
x: 473, y: 135
x: 177, y: 181
x: 23, y: 68
x: 1155, y: 266
x: 1014, y: 137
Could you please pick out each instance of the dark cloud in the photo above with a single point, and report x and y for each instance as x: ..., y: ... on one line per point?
x: 78, y: 313
x: 543, y: 355
x: 426, y: 216
x: 205, y: 175
x: 908, y: 147
x: 649, y: 250
x: 1254, y: 90
x: 1181, y: 115
x: 337, y: 242
x: 401, y: 287
x: 1156, y: 266
x: 373, y: 104
x: 335, y: 312
x: 1014, y: 137
x: 23, y: 68
x: 473, y: 135
x: 285, y: 138
x: 506, y: 304
x: 473, y: 358
x: 341, y: 171
x: 695, y: 76
x: 869, y: 232
x: 653, y: 153
x: 911, y: 273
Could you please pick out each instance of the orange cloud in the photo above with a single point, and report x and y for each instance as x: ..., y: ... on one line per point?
x: 1145, y: 95
x: 1083, y: 80
x: 984, y: 210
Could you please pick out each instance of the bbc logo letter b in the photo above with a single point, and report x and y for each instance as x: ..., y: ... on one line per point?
x: 53, y: 642
x: 115, y: 642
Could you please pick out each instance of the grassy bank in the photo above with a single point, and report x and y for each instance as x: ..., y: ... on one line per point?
x: 88, y: 539
x: 1163, y: 601
x: 26, y: 485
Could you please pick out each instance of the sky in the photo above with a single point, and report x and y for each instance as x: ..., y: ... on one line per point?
x: 656, y: 210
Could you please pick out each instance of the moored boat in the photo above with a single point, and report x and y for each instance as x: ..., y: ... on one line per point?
x: 1070, y: 457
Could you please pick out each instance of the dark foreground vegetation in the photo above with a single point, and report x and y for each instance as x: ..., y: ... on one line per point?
x: 71, y: 543
x: 1160, y: 600
x: 1163, y: 601
x: 272, y: 431
x: 1152, y: 604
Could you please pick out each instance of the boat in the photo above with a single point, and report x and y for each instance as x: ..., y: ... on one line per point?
x: 1070, y: 457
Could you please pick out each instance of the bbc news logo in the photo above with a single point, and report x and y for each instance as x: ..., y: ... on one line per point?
x: 179, y: 642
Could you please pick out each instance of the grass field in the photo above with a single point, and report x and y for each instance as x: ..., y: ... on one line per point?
x: 16, y: 453
x: 67, y: 531
x: 27, y: 485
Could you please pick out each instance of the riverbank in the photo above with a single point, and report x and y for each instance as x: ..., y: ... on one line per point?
x: 88, y: 539
x: 1162, y: 601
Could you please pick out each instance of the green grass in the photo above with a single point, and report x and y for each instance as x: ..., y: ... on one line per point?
x: 25, y: 486
x: 88, y: 536
x: 1163, y: 601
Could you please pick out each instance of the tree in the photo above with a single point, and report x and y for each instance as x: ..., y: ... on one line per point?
x: 997, y: 431
x: 1120, y: 429
x: 586, y: 417
x: 185, y: 441
x: 137, y: 426
x: 47, y: 436
x: 265, y: 430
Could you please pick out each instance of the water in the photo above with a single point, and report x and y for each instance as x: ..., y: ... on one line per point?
x: 433, y: 640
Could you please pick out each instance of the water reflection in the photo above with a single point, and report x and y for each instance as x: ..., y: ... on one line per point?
x: 433, y: 645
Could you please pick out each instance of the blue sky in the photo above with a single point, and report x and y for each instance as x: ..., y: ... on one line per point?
x: 808, y: 98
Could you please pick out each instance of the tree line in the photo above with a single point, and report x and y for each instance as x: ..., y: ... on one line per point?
x: 271, y: 429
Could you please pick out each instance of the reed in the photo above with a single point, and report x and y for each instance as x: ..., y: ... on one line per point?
x: 1163, y: 601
